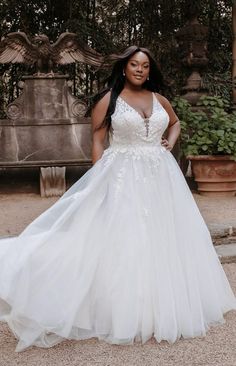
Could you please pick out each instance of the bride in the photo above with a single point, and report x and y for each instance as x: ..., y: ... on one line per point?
x: 124, y: 254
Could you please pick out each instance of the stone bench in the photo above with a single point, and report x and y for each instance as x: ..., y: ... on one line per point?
x: 52, y: 173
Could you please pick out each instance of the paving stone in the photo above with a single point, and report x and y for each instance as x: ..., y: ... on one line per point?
x: 226, y: 252
x: 221, y: 230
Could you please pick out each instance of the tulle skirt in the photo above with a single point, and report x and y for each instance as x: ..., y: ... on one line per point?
x: 123, y: 256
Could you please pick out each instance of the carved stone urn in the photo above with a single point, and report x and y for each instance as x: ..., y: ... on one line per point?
x: 215, y: 175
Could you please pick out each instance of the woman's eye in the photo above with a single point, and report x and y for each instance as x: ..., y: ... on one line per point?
x: 133, y: 64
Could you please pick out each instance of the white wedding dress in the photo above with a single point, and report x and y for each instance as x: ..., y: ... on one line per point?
x: 123, y: 255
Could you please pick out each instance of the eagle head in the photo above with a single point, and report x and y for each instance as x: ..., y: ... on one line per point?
x: 41, y: 39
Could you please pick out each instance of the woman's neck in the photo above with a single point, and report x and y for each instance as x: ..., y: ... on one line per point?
x: 131, y: 87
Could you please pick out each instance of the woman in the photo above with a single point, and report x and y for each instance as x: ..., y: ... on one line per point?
x: 125, y: 253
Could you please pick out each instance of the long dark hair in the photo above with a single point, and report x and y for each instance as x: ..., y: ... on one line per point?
x: 116, y: 81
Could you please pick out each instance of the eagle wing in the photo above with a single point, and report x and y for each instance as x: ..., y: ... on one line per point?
x: 17, y: 48
x: 69, y: 49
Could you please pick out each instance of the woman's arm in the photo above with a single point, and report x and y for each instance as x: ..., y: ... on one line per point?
x: 174, y: 128
x: 98, y: 136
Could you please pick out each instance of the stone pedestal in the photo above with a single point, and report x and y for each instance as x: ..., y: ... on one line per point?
x: 46, y: 123
x: 52, y: 181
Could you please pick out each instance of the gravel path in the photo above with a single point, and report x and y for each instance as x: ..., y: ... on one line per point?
x: 218, y: 348
x: 18, y: 210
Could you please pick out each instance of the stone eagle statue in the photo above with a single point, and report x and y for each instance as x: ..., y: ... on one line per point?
x: 17, y: 48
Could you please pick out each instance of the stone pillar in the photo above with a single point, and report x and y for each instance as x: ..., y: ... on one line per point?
x: 192, y: 43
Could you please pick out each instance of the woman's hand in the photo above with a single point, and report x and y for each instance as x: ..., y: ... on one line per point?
x: 166, y: 144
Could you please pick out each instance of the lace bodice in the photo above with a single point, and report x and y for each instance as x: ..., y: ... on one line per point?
x: 130, y: 129
x: 136, y: 137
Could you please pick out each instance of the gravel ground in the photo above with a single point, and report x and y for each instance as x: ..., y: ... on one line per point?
x: 18, y: 210
x: 217, y: 348
x: 217, y: 211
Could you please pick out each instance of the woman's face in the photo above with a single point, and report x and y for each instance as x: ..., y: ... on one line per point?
x: 137, y: 69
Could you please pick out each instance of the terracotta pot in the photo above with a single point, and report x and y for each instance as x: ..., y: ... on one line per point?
x: 215, y: 175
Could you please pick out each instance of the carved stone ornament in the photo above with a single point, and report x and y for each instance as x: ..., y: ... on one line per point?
x: 52, y: 181
x: 39, y: 51
x: 14, y: 110
x: 78, y: 108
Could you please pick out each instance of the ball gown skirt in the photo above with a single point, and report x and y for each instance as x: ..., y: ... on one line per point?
x: 123, y: 255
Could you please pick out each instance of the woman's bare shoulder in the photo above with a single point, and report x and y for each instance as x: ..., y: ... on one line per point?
x: 99, y: 111
x: 168, y: 108
x: 163, y: 100
x: 103, y: 103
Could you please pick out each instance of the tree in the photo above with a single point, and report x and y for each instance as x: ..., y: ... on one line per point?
x: 112, y: 25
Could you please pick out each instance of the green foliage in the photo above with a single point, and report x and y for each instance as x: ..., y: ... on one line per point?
x: 210, y: 131
x: 219, y: 83
x: 111, y: 25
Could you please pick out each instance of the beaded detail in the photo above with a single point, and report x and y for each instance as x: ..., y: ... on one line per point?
x: 146, y: 122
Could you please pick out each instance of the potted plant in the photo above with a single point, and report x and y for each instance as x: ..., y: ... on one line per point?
x: 208, y: 140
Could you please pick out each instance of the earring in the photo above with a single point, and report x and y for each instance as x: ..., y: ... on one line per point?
x: 147, y: 78
x: 123, y: 72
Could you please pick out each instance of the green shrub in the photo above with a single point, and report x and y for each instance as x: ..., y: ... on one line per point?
x: 210, y: 131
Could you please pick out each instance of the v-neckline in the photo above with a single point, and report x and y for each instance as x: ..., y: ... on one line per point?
x: 130, y: 106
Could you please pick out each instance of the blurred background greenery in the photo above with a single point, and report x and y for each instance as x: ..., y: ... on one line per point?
x: 112, y: 25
